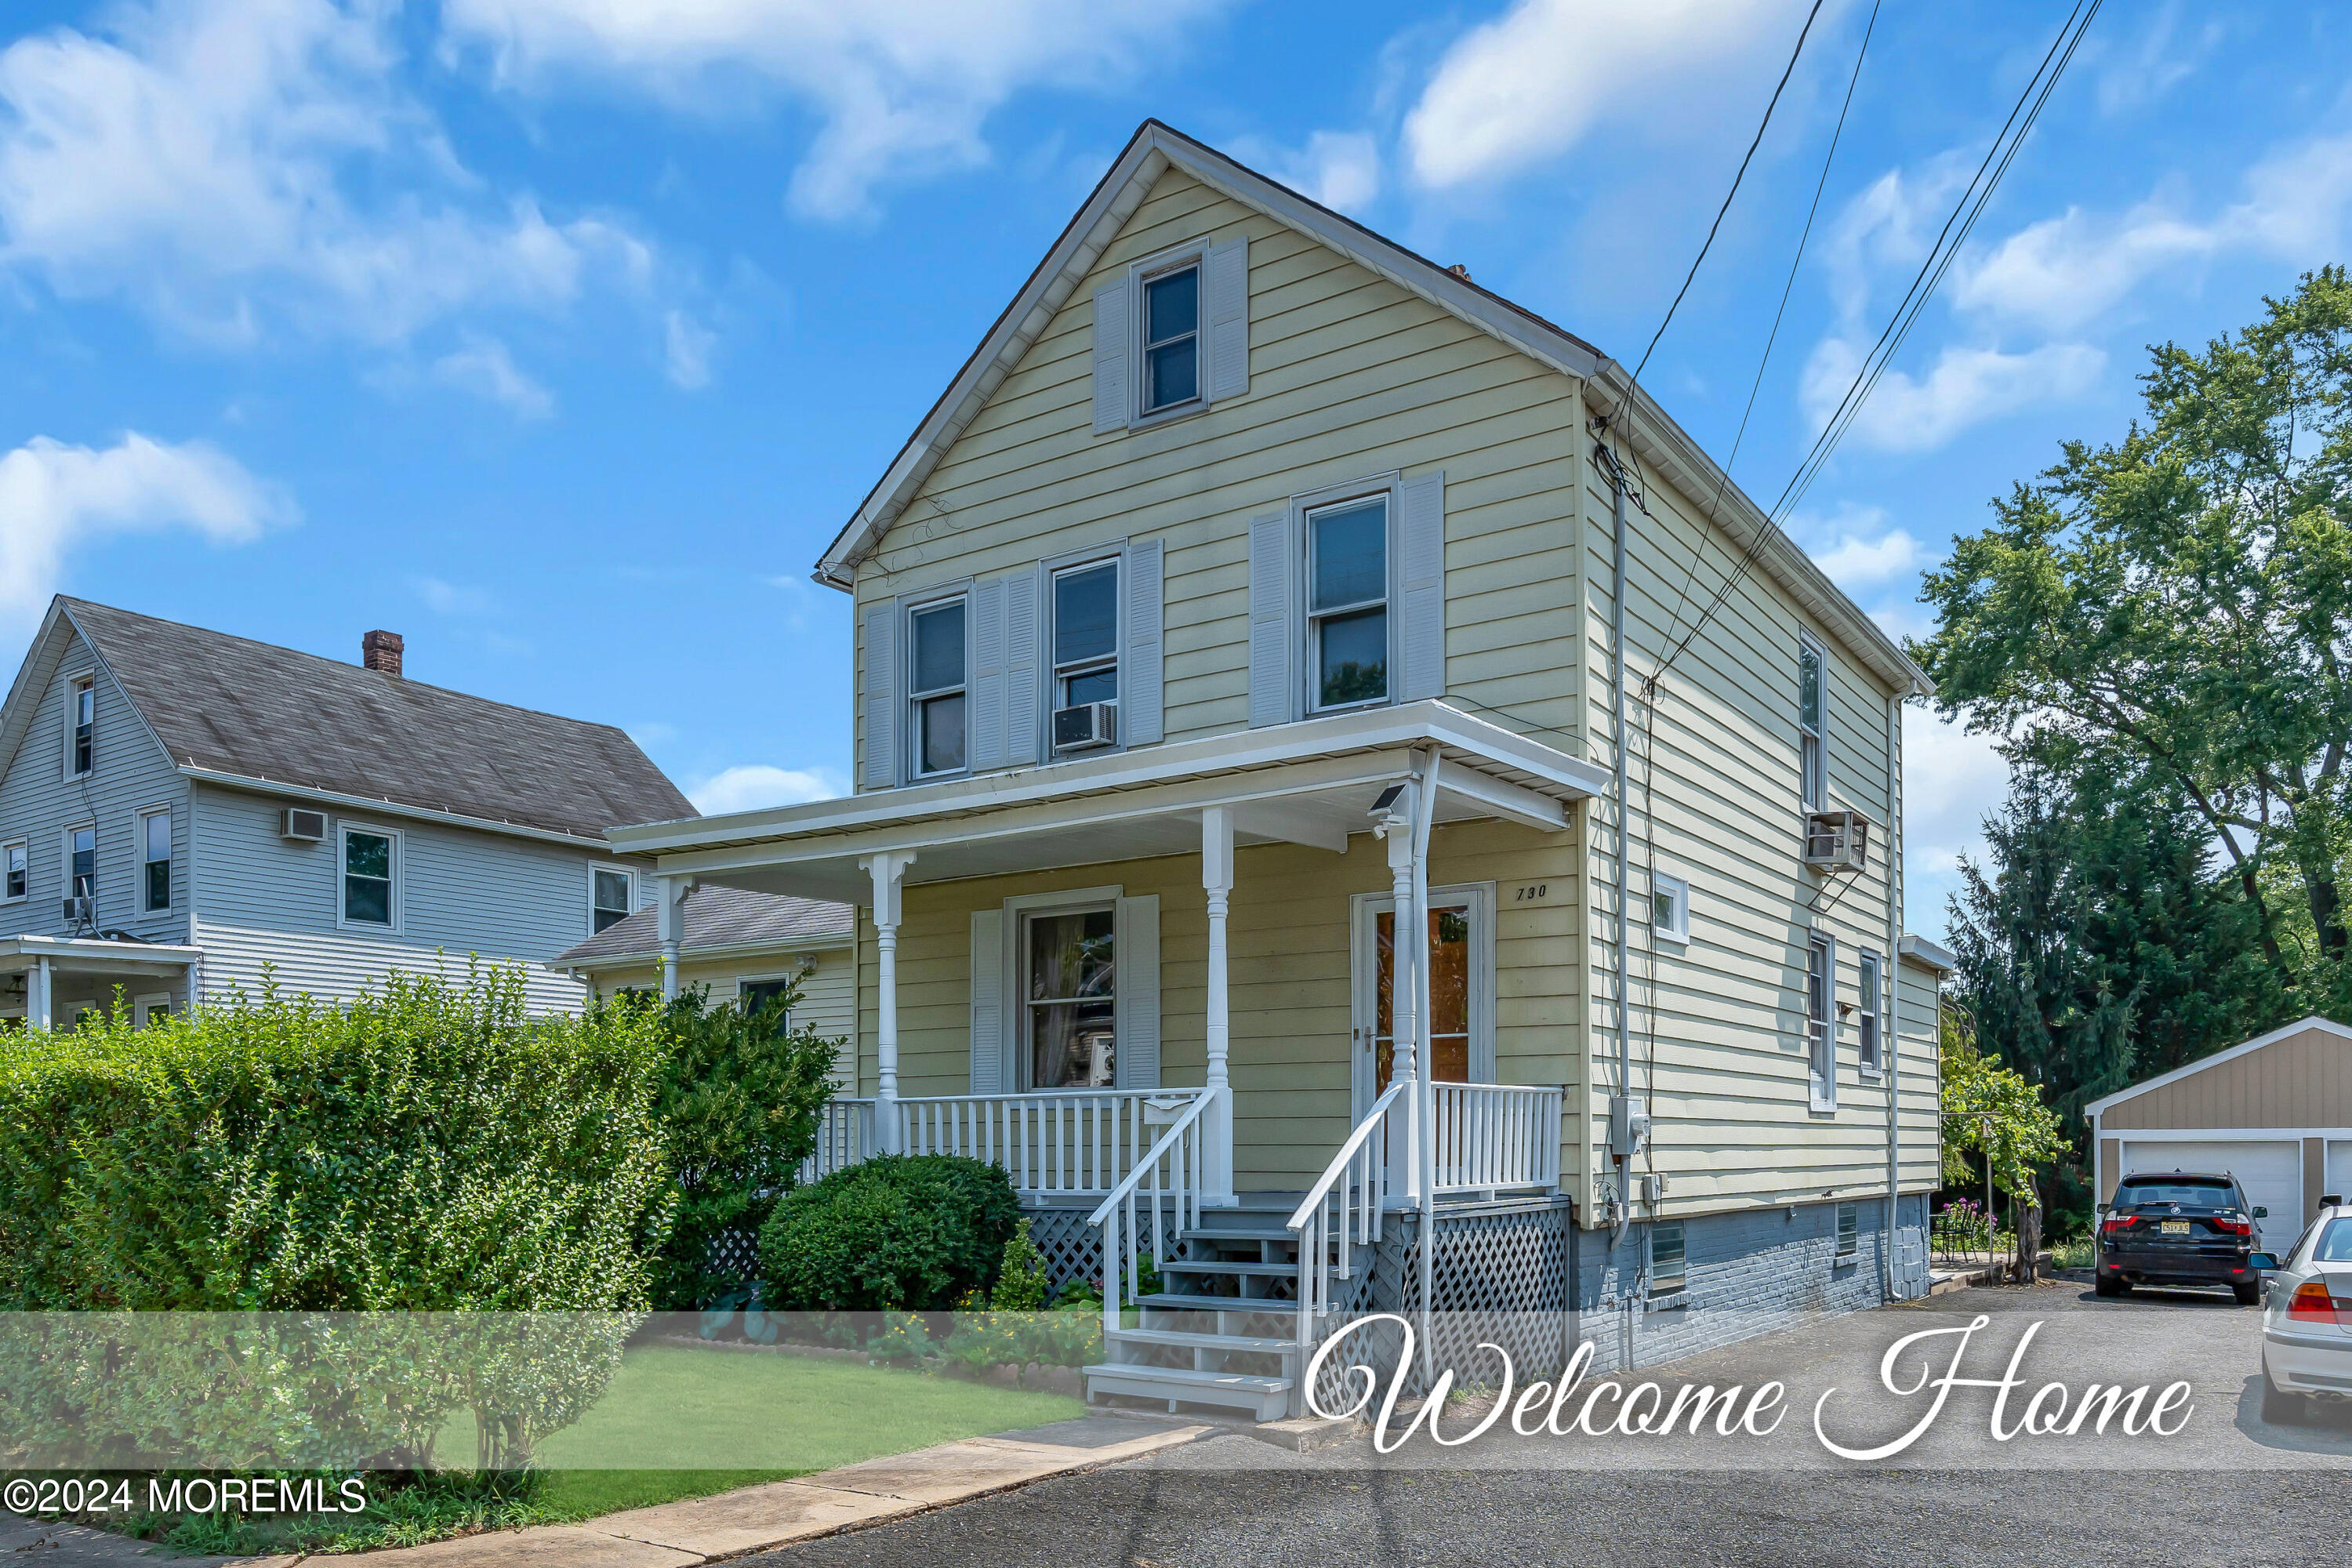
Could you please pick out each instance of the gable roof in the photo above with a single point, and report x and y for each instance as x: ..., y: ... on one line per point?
x: 722, y: 920
x: 2325, y: 1025
x: 1609, y: 388
x: 241, y: 712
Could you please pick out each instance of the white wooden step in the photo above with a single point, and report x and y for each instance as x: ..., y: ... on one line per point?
x: 1184, y: 1339
x: 1267, y: 1398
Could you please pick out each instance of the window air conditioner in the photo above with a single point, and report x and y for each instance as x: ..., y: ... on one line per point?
x: 78, y: 910
x: 305, y: 826
x: 1837, y: 840
x: 1088, y: 725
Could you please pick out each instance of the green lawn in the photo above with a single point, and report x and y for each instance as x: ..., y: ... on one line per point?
x: 677, y: 1422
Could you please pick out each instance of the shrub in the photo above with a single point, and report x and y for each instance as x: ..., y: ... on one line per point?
x: 1020, y: 1275
x: 896, y: 1233
x: 427, y: 1148
x: 739, y: 1099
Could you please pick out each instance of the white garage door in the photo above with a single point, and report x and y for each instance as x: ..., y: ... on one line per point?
x: 2340, y: 1167
x: 2272, y: 1175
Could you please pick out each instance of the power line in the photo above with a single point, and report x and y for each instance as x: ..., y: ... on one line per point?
x: 1786, y: 72
x: 1972, y: 201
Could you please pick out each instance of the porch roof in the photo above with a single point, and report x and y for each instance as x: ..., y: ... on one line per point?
x: 91, y: 955
x: 1311, y: 783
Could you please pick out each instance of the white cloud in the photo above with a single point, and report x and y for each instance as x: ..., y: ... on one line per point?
x: 452, y: 598
x: 201, y: 159
x: 903, y: 88
x: 1951, y: 782
x: 1965, y: 387
x: 54, y: 498
x: 2146, y: 69
x: 1341, y: 169
x: 686, y: 351
x: 755, y: 786
x: 1525, y: 88
x: 1860, y: 560
x: 484, y: 368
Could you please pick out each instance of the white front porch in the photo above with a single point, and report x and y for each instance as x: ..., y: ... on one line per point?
x: 45, y: 982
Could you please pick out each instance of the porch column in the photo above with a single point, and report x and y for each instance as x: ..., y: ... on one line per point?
x: 1217, y: 882
x: 886, y: 869
x: 39, y: 997
x: 669, y: 919
x: 1406, y: 955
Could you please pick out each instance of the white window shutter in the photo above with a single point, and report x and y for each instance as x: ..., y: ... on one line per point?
x: 1023, y: 630
x: 1110, y: 358
x: 1135, y: 938
x: 881, y: 696
x: 1139, y: 663
x: 988, y: 1002
x: 1271, y: 638
x: 988, y: 673
x: 1225, y: 281
x: 1421, y: 552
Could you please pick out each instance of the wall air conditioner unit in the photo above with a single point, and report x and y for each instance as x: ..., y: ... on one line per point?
x: 302, y: 827
x: 1837, y: 840
x: 79, y: 910
x: 1086, y: 726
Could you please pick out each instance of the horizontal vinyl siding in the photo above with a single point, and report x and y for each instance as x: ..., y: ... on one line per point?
x: 828, y: 994
x: 1289, y: 981
x: 38, y: 803
x: 2304, y: 1080
x: 1350, y: 376
x: 1718, y: 1024
x: 461, y: 894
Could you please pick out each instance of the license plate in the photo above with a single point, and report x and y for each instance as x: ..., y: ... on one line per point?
x: 2173, y: 1227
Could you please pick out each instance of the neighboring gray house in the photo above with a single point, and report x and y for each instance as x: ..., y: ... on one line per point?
x: 179, y: 807
x: 743, y: 947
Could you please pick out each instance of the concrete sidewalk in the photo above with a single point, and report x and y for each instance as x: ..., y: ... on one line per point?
x: 678, y: 1534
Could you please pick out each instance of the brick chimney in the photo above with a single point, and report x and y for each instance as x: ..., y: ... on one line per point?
x: 380, y: 651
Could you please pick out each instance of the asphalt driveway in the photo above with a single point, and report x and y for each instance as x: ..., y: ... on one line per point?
x: 2225, y: 1486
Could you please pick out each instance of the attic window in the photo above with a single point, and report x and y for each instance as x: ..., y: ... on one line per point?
x: 81, y: 727
x: 1171, y: 339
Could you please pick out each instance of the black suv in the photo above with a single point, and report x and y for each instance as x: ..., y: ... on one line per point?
x: 2179, y: 1227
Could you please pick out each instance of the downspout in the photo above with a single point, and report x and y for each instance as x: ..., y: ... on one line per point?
x: 1624, y: 1203
x: 1889, y: 1033
x: 1424, y: 814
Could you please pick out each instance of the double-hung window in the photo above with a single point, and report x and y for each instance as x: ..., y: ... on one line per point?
x: 608, y: 897
x: 935, y: 635
x: 370, y: 871
x: 1085, y: 635
x: 1871, y: 1033
x: 1347, y: 604
x: 154, y: 861
x: 81, y: 873
x: 1812, y: 768
x: 751, y: 996
x: 1821, y: 1036
x: 81, y: 727
x: 16, y: 871
x: 1171, y: 338
x: 1069, y: 998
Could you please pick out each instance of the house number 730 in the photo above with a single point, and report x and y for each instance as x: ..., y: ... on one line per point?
x: 1531, y: 893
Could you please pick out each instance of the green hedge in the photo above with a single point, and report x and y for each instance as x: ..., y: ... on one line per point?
x: 899, y: 1232
x: 739, y: 1098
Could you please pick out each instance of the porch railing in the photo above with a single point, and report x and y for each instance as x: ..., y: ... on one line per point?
x: 1078, y: 1143
x: 1494, y: 1137
x: 845, y: 1136
x: 1165, y: 1189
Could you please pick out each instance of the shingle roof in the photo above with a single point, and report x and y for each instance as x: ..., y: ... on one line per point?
x: 719, y: 918
x: 235, y: 706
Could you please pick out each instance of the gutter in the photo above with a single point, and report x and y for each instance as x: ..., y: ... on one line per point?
x: 252, y: 786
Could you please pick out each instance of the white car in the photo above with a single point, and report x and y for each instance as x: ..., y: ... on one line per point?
x: 2307, y: 1318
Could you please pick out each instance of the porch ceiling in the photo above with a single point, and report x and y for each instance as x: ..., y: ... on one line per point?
x: 1311, y: 783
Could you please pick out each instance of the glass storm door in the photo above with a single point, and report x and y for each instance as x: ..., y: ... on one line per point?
x: 1458, y: 954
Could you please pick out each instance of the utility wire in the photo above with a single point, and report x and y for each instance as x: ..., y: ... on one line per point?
x: 1970, y: 206
x: 1786, y: 72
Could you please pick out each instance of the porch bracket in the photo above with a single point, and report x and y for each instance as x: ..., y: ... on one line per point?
x: 1217, y: 882
x: 888, y: 869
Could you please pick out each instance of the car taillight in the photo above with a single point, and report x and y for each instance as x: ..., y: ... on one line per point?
x: 2118, y: 1222
x: 2311, y: 1301
x: 2232, y: 1227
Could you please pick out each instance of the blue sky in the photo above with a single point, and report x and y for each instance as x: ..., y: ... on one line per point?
x: 561, y: 336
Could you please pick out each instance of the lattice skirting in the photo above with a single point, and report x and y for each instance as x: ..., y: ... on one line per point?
x: 1500, y: 1273
x: 1073, y: 1248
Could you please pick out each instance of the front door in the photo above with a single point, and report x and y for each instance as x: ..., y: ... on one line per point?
x: 1461, y: 986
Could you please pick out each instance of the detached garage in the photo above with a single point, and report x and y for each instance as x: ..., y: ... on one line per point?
x: 2275, y: 1112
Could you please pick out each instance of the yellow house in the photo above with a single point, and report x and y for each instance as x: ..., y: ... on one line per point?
x: 1256, y: 579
